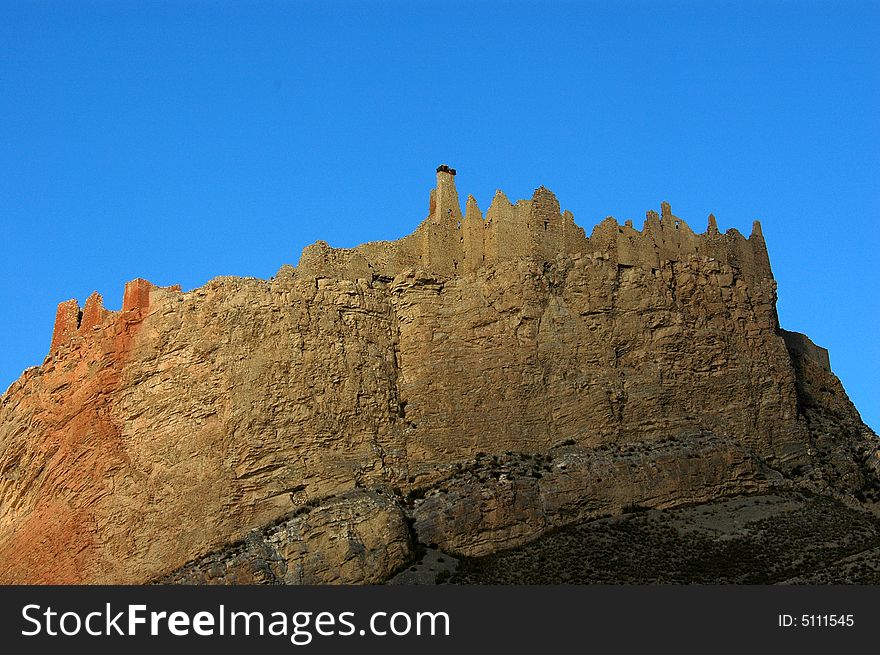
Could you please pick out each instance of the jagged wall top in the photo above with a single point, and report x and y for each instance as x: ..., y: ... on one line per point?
x: 448, y: 244
x: 72, y: 323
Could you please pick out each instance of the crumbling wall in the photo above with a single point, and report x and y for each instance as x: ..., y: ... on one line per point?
x: 165, y: 431
x: 800, y: 345
x: 447, y: 244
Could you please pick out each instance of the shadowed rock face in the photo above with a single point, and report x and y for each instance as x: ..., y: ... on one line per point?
x: 472, y: 385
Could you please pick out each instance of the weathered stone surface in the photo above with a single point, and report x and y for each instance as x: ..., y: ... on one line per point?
x: 505, y: 501
x: 161, y: 434
x: 837, y: 436
x: 358, y: 537
x: 448, y: 245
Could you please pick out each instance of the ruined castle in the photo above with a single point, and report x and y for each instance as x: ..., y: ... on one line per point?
x: 313, y: 427
x: 449, y: 244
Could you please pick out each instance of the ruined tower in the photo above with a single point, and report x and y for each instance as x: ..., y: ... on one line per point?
x: 445, y: 206
x: 443, y: 247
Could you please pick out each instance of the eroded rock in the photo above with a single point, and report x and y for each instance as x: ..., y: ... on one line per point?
x: 161, y: 434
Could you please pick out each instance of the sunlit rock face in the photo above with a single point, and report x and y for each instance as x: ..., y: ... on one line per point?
x: 473, y: 385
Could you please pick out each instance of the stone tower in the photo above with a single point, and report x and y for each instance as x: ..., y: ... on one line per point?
x: 445, y: 206
x: 443, y: 248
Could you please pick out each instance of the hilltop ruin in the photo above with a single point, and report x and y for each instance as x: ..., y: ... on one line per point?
x: 475, y: 384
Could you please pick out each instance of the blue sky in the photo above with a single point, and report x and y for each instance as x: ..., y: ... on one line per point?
x: 179, y: 142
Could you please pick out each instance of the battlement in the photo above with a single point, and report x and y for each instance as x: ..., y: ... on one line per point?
x: 71, y: 321
x: 449, y: 244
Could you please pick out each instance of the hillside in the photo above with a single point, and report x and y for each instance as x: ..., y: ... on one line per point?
x: 474, y: 385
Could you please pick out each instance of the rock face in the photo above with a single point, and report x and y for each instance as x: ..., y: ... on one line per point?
x: 358, y: 537
x: 473, y: 384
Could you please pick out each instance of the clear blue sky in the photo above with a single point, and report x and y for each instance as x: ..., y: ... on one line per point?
x: 180, y: 141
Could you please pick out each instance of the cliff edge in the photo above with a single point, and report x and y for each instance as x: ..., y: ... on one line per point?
x: 474, y: 385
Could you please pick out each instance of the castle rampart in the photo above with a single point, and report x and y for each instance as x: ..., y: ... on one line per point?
x: 71, y: 321
x: 449, y: 244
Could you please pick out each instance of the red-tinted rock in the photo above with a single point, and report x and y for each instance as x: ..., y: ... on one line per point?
x: 93, y: 313
x: 137, y: 295
x: 66, y: 323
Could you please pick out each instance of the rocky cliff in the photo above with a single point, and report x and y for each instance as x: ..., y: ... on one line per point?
x: 473, y: 385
